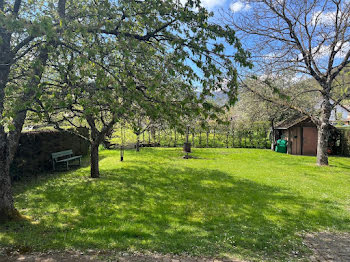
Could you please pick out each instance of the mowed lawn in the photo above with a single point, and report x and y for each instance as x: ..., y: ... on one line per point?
x: 248, y: 203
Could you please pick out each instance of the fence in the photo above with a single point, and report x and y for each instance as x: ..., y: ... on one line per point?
x: 256, y: 136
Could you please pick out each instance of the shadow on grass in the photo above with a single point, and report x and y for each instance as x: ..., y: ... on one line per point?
x: 167, y: 209
x: 27, y: 183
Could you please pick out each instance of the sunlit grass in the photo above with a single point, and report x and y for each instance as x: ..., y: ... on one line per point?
x: 249, y: 203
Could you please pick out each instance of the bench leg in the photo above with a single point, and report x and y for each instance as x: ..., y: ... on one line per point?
x: 67, y: 165
x: 79, y: 161
x: 53, y: 165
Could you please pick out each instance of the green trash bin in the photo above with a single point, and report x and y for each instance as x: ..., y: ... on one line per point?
x: 281, y: 146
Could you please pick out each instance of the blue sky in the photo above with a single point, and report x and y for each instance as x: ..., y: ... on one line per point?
x: 217, y: 7
x: 325, y: 19
x: 220, y: 6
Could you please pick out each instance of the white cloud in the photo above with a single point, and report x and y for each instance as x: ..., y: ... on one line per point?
x: 208, y: 3
x: 325, y: 18
x: 239, y: 6
x: 343, y: 50
x: 212, y: 3
x: 325, y: 51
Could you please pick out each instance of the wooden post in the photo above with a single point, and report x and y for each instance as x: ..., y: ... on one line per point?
x: 250, y: 139
x: 154, y: 135
x: 240, y: 138
x: 175, y: 141
x: 170, y: 137
x: 187, y: 133
x: 208, y: 131
x: 192, y: 138
x: 233, y: 138
x: 227, y: 134
x: 214, y: 137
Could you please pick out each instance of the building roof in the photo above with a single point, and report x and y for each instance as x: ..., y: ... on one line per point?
x: 293, y: 121
x: 285, y: 124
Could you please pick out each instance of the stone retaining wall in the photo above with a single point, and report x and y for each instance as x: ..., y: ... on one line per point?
x: 33, y: 154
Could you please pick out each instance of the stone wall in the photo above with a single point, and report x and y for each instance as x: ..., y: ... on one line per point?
x: 33, y: 154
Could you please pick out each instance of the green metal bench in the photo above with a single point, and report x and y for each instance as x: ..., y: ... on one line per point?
x: 64, y: 157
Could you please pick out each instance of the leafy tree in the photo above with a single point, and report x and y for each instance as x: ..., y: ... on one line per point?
x: 32, y: 33
x: 148, y: 54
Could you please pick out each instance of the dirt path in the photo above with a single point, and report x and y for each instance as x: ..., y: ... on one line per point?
x: 325, y: 246
x: 104, y: 256
x: 329, y: 247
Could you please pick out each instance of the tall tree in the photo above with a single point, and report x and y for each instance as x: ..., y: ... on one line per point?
x: 26, y: 39
x: 309, y: 37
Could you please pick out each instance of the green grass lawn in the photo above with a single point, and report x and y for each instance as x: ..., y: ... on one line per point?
x: 248, y: 203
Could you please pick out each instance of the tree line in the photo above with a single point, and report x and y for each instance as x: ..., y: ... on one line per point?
x: 241, y: 135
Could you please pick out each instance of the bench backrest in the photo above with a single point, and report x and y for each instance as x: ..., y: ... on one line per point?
x: 62, y: 154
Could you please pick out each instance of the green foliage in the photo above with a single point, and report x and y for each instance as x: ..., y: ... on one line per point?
x: 249, y: 203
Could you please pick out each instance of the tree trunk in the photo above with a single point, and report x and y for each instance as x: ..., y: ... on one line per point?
x: 138, y: 143
x: 9, y: 142
x: 322, y: 145
x: 7, y: 208
x: 192, y: 139
x: 323, y: 132
x: 273, y: 135
x: 94, y: 169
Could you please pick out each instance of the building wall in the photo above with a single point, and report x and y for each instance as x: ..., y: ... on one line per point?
x: 302, y: 140
x: 295, y: 140
x: 309, y: 141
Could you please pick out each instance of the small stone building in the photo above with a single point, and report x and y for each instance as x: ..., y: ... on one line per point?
x: 301, y: 134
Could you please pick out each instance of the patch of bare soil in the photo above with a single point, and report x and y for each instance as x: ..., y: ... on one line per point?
x: 100, y: 256
x: 328, y: 246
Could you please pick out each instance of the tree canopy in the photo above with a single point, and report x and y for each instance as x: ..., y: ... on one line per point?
x: 93, y: 60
